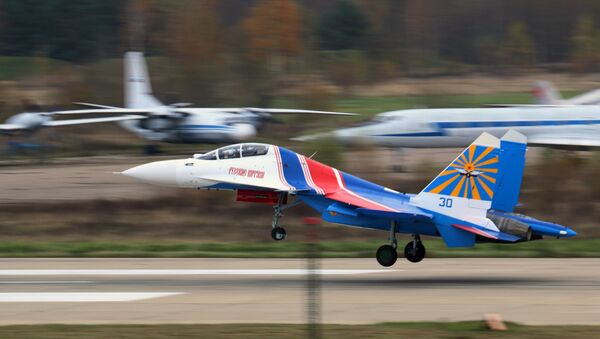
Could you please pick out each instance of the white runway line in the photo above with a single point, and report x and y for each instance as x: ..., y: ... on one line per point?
x: 167, y: 272
x: 24, y: 297
x: 43, y: 282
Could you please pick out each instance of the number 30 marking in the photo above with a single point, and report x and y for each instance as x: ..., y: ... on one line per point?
x: 445, y: 202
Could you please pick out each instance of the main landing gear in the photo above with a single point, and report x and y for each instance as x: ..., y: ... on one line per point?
x: 387, y: 255
x: 414, y: 251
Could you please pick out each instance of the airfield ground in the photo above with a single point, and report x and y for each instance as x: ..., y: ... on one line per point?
x: 354, y: 291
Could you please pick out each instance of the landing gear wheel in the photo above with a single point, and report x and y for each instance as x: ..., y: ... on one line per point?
x: 386, y: 255
x: 414, y: 251
x: 278, y: 233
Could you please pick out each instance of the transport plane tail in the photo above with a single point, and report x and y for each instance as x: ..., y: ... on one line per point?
x: 546, y: 94
x: 138, y: 91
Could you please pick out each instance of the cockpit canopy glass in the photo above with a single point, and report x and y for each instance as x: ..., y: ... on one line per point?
x: 229, y: 152
x: 252, y: 150
x: 236, y: 151
x: 208, y: 156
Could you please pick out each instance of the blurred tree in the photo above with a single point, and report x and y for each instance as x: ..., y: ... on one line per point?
x: 586, y: 46
x: 62, y: 29
x: 196, y: 42
x: 343, y: 27
x: 518, y: 46
x: 273, y: 30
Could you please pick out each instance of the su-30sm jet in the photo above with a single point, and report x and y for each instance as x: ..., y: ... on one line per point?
x: 470, y: 201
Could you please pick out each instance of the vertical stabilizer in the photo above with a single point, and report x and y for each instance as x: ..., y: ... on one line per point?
x: 546, y: 94
x: 138, y: 91
x: 467, y: 186
x: 513, y: 146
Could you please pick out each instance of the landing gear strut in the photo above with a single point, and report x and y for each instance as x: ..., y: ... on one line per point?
x: 387, y: 255
x: 414, y: 251
x: 278, y: 232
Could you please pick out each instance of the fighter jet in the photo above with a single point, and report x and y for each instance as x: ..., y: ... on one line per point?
x: 472, y: 200
x: 177, y: 123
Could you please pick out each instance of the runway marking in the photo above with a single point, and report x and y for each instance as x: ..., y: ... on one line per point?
x: 167, y: 272
x: 25, y: 297
x: 42, y: 282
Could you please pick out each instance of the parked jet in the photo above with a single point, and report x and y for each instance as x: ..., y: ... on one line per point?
x: 546, y: 94
x: 180, y: 124
x: 576, y: 127
x: 470, y: 201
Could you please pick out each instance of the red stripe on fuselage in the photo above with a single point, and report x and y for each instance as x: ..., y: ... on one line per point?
x: 325, y: 178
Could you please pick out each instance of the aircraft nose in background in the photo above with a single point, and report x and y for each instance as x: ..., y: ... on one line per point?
x: 158, y: 173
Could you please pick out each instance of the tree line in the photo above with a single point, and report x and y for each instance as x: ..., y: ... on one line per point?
x: 348, y: 41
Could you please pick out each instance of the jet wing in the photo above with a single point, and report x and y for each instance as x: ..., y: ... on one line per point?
x: 55, y: 123
x: 104, y: 111
x: 10, y: 127
x: 87, y: 104
x: 583, y: 140
x: 295, y: 111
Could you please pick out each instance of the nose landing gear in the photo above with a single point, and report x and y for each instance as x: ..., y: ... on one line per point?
x: 277, y: 232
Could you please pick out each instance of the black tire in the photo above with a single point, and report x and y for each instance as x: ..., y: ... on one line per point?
x: 278, y: 233
x: 414, y: 253
x: 386, y: 255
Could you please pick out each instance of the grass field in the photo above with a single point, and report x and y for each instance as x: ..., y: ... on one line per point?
x: 571, y: 248
x: 470, y: 329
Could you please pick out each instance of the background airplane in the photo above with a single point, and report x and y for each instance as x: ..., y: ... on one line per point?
x: 180, y: 124
x: 472, y: 200
x: 545, y: 93
x: 575, y: 127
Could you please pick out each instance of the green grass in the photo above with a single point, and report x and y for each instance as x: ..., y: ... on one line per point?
x: 13, y: 67
x: 568, y: 248
x: 467, y: 329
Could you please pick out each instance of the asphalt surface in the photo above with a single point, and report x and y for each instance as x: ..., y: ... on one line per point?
x: 531, y: 291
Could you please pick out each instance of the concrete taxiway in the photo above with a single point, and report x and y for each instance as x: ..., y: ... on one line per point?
x: 532, y: 291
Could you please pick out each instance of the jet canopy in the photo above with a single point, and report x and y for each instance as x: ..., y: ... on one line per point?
x: 235, y: 151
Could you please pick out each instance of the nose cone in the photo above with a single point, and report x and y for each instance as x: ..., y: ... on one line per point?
x: 569, y: 233
x: 353, y: 135
x: 162, y: 173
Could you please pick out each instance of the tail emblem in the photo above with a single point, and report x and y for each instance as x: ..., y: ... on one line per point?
x: 472, y: 175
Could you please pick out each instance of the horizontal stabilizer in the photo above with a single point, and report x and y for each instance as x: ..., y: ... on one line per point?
x: 486, y: 233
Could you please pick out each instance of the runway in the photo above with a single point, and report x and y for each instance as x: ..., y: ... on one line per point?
x: 145, y: 291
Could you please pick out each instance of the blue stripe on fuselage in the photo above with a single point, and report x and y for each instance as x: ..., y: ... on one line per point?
x: 441, y: 126
x: 292, y: 170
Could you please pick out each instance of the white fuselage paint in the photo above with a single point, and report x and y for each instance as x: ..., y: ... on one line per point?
x: 211, y: 125
x: 458, y: 127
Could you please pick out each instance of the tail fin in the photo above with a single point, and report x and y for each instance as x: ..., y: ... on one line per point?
x: 467, y: 186
x: 513, y: 146
x: 546, y: 94
x: 138, y: 92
